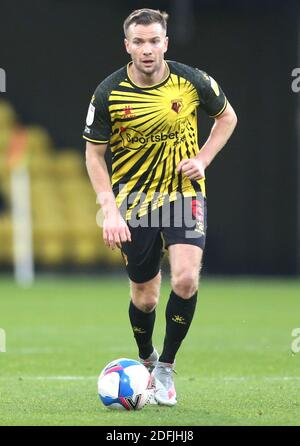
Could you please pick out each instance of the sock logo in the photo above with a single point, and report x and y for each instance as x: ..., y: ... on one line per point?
x: 179, y: 319
x: 139, y: 330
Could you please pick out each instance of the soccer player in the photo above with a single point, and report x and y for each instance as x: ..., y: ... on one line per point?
x: 147, y: 113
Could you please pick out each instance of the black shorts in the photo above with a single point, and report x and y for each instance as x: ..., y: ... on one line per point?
x: 182, y: 221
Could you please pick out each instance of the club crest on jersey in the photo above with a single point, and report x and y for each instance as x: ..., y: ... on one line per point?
x: 127, y: 112
x: 176, y: 105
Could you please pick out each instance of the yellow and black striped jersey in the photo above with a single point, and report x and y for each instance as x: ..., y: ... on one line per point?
x: 149, y: 130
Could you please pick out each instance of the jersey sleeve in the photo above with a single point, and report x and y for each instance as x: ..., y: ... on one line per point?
x: 98, y: 125
x: 212, y: 99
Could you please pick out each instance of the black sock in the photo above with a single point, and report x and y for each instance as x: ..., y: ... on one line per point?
x: 179, y: 315
x: 142, y: 326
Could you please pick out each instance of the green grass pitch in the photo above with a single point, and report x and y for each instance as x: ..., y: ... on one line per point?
x: 236, y: 367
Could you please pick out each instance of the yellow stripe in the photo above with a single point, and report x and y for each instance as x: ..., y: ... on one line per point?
x: 221, y: 111
x: 94, y: 140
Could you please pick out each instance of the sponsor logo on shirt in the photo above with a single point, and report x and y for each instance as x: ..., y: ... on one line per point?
x: 134, y: 140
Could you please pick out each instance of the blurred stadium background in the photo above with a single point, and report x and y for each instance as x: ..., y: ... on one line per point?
x: 63, y: 207
x: 54, y: 53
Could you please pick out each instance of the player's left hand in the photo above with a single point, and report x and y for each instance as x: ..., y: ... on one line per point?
x: 193, y: 168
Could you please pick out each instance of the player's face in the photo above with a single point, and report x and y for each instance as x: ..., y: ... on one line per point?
x: 147, y: 45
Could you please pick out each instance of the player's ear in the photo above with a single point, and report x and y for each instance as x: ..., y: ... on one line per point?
x: 166, y: 44
x: 126, y: 43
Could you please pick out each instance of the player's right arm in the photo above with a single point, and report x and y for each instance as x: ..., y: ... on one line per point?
x: 115, y: 229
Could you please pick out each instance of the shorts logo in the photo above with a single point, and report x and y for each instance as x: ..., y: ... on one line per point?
x: 176, y: 105
x: 196, y: 209
x: 198, y: 216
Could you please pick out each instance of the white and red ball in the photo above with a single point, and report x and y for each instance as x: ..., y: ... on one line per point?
x: 124, y: 384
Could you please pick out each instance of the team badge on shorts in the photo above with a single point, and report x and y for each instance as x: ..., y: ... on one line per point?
x: 198, y: 215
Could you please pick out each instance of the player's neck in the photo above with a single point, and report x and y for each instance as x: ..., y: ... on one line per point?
x: 148, y: 80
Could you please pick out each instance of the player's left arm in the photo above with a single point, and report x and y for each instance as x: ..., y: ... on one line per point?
x: 194, y: 168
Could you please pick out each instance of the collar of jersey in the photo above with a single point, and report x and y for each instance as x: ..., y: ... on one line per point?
x: 150, y: 86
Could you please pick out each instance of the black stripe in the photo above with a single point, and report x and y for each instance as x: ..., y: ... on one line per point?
x: 145, y: 190
x: 172, y: 80
x: 143, y: 177
x: 149, y: 121
x: 158, y: 188
x: 180, y: 173
x: 153, y: 164
x: 171, y: 187
x: 196, y: 186
x: 167, y: 183
x: 120, y: 153
x: 162, y: 177
x: 153, y: 174
x: 126, y: 160
x: 157, y: 127
x: 187, y: 149
x: 134, y: 169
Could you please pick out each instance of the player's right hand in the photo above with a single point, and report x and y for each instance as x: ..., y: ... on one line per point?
x: 115, y: 230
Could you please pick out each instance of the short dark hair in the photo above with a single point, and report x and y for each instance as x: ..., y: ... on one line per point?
x: 146, y: 16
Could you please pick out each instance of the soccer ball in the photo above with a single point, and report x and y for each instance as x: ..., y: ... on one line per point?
x: 124, y: 384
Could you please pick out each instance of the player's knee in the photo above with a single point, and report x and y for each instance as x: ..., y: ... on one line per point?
x: 149, y: 306
x: 146, y: 304
x: 185, y: 284
x: 145, y: 298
